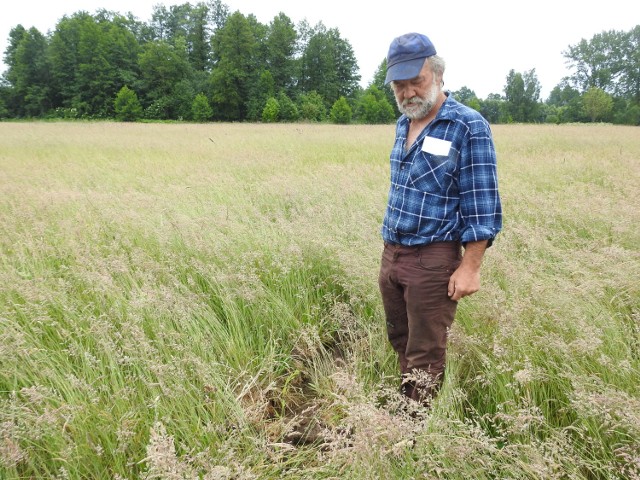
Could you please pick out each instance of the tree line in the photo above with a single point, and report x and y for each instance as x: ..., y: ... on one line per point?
x: 204, y: 63
x: 604, y: 86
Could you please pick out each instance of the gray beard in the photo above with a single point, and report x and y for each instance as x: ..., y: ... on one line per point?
x: 421, y: 106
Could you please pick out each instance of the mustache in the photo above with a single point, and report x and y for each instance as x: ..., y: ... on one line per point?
x: 412, y: 100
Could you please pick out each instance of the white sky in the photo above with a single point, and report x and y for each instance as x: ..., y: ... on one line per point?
x: 481, y: 41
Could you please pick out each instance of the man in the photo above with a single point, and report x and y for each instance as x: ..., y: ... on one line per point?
x: 443, y: 198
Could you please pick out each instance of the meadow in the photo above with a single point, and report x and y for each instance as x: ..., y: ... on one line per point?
x: 185, y: 301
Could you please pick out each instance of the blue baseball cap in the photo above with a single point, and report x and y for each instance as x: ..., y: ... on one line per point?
x: 406, y: 56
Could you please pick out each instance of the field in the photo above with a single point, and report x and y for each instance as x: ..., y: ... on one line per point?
x: 200, y: 301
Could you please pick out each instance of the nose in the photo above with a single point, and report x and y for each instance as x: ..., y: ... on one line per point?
x: 405, y: 90
x: 409, y: 92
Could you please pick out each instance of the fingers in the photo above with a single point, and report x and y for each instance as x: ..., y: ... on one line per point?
x: 461, y: 285
x: 456, y: 291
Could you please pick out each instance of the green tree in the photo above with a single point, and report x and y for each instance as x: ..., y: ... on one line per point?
x: 65, y: 58
x: 201, y: 110
x: 629, y: 77
x: 28, y: 73
x: 181, y: 99
x: 127, y: 106
x: 16, y: 34
x: 610, y: 61
x: 280, y: 52
x: 594, y: 61
x: 234, y: 49
x: 259, y: 93
x: 522, y: 96
x: 626, y: 112
x: 121, y: 50
x: 271, y: 110
x: 346, y: 66
x: 141, y: 31
x: 218, y: 13
x: 373, y: 107
x: 566, y: 104
x: 493, y: 109
x: 464, y: 95
x: 328, y: 66
x: 515, y: 97
x: 378, y: 81
x: 341, y: 111
x: 597, y: 104
x: 468, y: 97
x: 188, y: 23
x: 170, y: 23
x: 11, y: 100
x: 311, y: 107
x: 4, y: 111
x: 163, y: 67
x: 198, y: 37
x: 288, y: 110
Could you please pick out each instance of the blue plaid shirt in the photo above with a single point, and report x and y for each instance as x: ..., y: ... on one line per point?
x: 445, y: 186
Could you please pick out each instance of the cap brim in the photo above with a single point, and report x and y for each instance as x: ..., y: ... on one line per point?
x: 404, y: 70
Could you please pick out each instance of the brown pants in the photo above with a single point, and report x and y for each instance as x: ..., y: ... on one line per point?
x: 413, y: 283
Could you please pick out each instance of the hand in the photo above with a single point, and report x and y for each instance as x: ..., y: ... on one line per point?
x: 464, y: 281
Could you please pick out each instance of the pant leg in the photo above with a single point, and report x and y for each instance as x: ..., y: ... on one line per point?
x: 430, y: 311
x: 413, y: 283
x: 394, y: 304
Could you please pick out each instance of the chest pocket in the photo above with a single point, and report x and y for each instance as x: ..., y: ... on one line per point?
x: 432, y: 173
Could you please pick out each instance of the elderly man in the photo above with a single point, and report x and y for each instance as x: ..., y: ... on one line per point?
x: 443, y: 200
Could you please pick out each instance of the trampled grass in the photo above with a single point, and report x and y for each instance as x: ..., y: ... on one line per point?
x: 200, y: 301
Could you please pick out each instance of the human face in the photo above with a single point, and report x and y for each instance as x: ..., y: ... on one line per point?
x: 417, y: 97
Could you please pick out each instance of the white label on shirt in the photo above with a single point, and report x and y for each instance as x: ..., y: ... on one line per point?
x: 436, y: 146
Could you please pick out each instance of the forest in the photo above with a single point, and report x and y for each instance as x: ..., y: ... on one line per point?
x: 204, y: 63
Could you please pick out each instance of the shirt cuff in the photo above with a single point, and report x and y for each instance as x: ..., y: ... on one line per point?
x: 478, y: 233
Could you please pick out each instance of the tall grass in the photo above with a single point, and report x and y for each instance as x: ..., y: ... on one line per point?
x: 200, y: 301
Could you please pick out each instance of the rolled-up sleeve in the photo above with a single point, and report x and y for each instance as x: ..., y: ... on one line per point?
x: 480, y: 206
